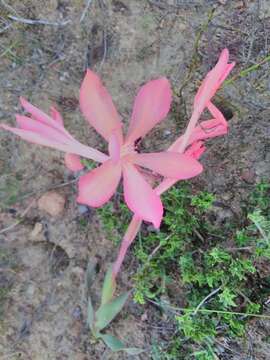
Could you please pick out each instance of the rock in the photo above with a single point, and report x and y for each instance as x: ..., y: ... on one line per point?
x: 83, y: 209
x: 77, y: 313
x: 248, y: 176
x: 144, y: 316
x: 36, y: 230
x: 77, y: 275
x: 52, y: 203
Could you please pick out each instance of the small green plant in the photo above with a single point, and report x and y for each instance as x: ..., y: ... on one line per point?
x: 110, y: 215
x: 9, y: 190
x: 109, y: 308
x: 219, y: 283
x: 7, y: 262
x: 203, y: 200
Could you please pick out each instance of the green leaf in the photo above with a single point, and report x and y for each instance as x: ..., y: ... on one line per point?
x: 227, y: 297
x: 108, y: 287
x: 90, y: 274
x: 116, y: 345
x: 107, y: 312
x: 133, y: 351
x: 112, y: 342
x: 90, y: 313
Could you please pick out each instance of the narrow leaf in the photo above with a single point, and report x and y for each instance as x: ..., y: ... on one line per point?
x: 134, y: 351
x: 108, y: 287
x: 112, y: 342
x: 107, y: 312
x: 90, y: 313
x: 116, y: 345
x: 90, y: 275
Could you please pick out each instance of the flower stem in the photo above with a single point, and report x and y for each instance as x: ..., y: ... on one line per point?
x: 130, y: 235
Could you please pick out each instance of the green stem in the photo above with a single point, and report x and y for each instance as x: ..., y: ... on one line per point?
x: 246, y: 71
x: 226, y: 312
x: 208, y: 311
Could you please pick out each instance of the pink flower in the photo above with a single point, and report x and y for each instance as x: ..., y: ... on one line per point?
x: 207, y: 90
x: 192, y: 142
x: 151, y: 106
x: 96, y: 187
x: 49, y: 131
x: 216, y: 126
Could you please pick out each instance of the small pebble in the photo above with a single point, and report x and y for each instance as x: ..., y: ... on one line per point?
x: 167, y: 132
x: 248, y: 176
x: 52, y: 203
x: 83, y: 209
x: 144, y: 317
x: 36, y: 230
x: 77, y: 313
x: 151, y: 228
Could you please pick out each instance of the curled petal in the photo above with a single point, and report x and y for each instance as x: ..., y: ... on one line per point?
x: 207, y: 90
x: 151, y: 106
x: 206, y: 130
x: 73, y: 162
x: 213, y: 80
x: 97, y: 106
x: 196, y: 150
x: 217, y: 113
x: 140, y: 197
x: 170, y: 164
x: 226, y: 72
x: 97, y: 186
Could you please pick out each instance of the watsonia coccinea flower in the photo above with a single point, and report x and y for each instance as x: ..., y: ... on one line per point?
x: 96, y: 187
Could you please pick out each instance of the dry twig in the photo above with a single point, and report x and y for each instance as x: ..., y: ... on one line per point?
x: 38, y: 21
x: 10, y: 227
x: 85, y: 10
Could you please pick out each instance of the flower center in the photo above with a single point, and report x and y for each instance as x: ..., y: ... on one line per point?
x: 127, y: 149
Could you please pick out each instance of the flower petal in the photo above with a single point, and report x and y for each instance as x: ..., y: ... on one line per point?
x: 35, y: 138
x: 196, y: 150
x: 140, y: 197
x: 45, y: 130
x: 42, y: 117
x: 73, y: 162
x: 86, y: 151
x: 169, y: 164
x: 55, y: 114
x: 217, y: 113
x: 73, y: 147
x: 97, y: 186
x: 97, y: 106
x: 212, y: 81
x: 205, y: 130
x: 208, y: 129
x: 114, y: 146
x: 151, y: 106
